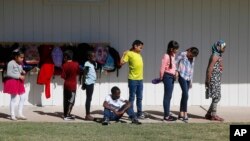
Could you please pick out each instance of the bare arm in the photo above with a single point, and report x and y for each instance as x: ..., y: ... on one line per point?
x: 122, y: 62
x: 107, y: 106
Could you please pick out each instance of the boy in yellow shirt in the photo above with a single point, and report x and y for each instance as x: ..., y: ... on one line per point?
x: 135, y: 77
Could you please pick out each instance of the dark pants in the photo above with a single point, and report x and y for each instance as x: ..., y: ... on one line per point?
x: 184, y: 98
x: 68, y: 101
x: 168, y: 81
x: 89, y: 93
x: 136, y: 89
x: 112, y: 116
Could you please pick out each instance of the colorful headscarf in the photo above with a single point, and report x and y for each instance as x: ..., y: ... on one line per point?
x: 217, y: 47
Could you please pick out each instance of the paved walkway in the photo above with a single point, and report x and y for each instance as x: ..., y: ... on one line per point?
x: 155, y: 114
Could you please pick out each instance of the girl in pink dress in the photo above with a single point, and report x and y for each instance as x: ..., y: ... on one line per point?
x: 14, y: 84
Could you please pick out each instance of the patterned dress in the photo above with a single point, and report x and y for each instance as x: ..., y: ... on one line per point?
x: 215, y: 82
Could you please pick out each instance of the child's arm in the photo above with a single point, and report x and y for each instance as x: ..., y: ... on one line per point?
x: 11, y: 72
x: 107, y: 106
x: 210, y: 66
x: 124, y: 58
x: 163, y: 65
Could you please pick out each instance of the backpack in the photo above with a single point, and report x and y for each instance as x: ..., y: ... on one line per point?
x: 113, y: 61
x: 57, y: 56
x: 109, y: 64
x: 31, y: 54
x: 80, y: 53
x: 101, y: 53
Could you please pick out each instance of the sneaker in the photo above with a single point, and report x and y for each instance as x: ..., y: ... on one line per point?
x: 136, y: 121
x: 13, y: 118
x: 169, y: 118
x: 72, y: 116
x: 185, y: 118
x: 21, y: 117
x: 141, y: 116
x: 68, y: 118
x: 105, y: 121
x: 180, y: 117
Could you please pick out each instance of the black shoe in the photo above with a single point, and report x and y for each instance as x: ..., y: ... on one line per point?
x: 169, y: 118
x: 136, y: 121
x: 105, y: 121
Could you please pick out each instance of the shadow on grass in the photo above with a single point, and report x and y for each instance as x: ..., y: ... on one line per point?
x: 3, y: 115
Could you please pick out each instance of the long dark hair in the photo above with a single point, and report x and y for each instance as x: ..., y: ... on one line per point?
x: 172, y: 45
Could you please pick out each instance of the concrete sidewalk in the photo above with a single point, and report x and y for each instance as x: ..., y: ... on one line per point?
x: 154, y: 114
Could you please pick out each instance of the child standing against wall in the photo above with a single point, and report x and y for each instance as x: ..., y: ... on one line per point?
x: 135, y: 78
x: 185, y: 68
x: 213, y: 79
x: 90, y: 79
x: 168, y: 75
x: 70, y: 70
x: 14, y: 84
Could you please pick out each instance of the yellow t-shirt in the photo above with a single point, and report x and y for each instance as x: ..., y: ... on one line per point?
x: 135, y: 63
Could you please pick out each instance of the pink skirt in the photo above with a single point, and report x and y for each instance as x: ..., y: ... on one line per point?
x: 13, y: 86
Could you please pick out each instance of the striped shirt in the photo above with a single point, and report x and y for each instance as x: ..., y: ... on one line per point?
x: 184, y: 66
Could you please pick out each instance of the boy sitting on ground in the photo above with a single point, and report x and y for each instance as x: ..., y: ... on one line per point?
x: 115, y: 106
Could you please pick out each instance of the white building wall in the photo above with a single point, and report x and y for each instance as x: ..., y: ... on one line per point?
x: 191, y: 22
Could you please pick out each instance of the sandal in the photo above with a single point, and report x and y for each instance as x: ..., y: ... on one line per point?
x: 217, y: 118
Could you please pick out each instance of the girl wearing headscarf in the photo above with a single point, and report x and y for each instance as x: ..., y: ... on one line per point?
x: 213, y: 79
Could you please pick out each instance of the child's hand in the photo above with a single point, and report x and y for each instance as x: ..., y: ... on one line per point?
x: 22, y: 77
x: 206, y: 83
x: 190, y: 85
x: 23, y: 72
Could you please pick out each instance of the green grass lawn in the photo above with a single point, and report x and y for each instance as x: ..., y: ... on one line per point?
x: 27, y: 131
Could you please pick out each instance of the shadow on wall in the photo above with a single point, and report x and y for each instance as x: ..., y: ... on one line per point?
x: 35, y: 92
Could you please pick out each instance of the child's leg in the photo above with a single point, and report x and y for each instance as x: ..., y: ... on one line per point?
x: 65, y: 102
x: 71, y: 103
x: 89, y: 93
x: 21, y: 103
x: 213, y: 107
x: 13, y: 100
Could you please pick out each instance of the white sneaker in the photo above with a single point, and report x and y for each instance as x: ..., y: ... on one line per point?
x: 68, y: 118
x: 13, y: 118
x: 21, y: 117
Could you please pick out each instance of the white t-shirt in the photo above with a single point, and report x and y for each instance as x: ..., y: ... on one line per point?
x: 116, y: 104
x: 91, y: 75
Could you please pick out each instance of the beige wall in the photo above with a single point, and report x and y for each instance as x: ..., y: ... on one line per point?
x: 155, y: 22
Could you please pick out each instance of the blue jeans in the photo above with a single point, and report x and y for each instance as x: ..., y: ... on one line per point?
x: 112, y: 116
x: 135, y: 89
x: 168, y: 81
x: 184, y: 98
